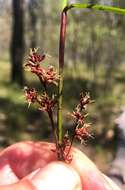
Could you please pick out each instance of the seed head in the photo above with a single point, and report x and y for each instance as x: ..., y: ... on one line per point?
x: 34, y: 57
x: 78, y: 117
x: 85, y: 100
x: 48, y: 75
x: 30, y: 95
x: 46, y: 103
x: 83, y: 133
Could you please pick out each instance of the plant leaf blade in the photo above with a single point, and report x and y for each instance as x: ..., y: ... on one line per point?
x: 99, y: 7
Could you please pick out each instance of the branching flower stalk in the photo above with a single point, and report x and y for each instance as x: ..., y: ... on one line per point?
x: 46, y: 76
x: 49, y: 76
x: 81, y: 129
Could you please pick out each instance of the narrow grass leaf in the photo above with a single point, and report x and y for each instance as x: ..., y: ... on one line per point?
x: 98, y: 7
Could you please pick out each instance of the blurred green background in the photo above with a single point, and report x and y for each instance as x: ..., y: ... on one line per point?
x: 94, y: 62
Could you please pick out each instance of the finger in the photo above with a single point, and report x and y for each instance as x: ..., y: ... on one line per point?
x: 91, y: 177
x: 110, y: 183
x: 26, y: 157
x: 24, y: 184
x: 57, y: 176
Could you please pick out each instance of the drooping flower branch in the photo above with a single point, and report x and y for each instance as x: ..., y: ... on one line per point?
x: 81, y: 130
x: 47, y: 76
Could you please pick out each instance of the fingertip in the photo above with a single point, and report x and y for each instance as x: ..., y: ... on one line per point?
x: 110, y: 183
x: 57, y: 175
x: 91, y: 177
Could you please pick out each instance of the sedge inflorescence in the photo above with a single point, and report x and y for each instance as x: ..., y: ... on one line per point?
x: 81, y: 128
x: 48, y: 102
x: 46, y: 76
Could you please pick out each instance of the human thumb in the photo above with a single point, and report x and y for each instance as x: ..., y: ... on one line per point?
x: 57, y: 176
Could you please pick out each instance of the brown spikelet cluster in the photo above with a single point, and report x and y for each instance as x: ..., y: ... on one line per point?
x: 46, y: 75
x: 81, y: 128
x: 45, y: 103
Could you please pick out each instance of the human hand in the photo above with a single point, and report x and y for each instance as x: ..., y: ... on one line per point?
x: 33, y: 166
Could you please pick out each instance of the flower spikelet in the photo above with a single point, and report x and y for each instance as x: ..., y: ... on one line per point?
x: 78, y: 117
x: 46, y: 75
x: 30, y: 95
x: 34, y: 57
x: 84, y: 100
x: 83, y: 133
x: 47, y: 103
x: 81, y: 128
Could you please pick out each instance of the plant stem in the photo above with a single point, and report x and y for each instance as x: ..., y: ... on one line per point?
x: 61, y: 65
x: 72, y: 139
x: 97, y: 7
x: 53, y: 128
x: 73, y: 133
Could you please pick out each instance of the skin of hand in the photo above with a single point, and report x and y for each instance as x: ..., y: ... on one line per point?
x: 33, y: 166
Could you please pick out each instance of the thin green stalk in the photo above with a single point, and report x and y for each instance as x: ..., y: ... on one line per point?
x: 61, y: 65
x: 60, y: 106
x: 97, y: 7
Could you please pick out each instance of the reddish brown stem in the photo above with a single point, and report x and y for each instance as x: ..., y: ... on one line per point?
x: 61, y: 65
x: 73, y: 135
x: 50, y: 114
x: 62, y: 38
